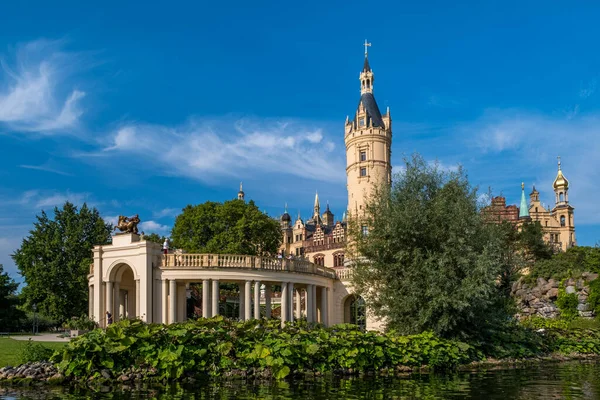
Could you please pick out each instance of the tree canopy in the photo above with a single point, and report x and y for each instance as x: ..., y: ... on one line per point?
x: 233, y: 227
x: 55, y: 259
x: 155, y: 238
x: 9, y: 313
x: 429, y: 261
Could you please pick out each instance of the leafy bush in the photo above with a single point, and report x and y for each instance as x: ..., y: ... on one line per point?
x: 571, y: 263
x: 216, y: 346
x: 567, y: 304
x: 83, y: 323
x: 594, y: 297
x: 537, y: 322
x: 32, y: 352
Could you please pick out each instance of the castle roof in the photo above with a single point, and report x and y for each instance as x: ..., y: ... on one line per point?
x: 372, y: 109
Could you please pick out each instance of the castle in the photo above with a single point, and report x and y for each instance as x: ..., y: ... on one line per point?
x: 557, y: 222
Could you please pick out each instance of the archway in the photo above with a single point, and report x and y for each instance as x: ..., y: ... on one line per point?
x: 124, y: 293
x: 355, y: 311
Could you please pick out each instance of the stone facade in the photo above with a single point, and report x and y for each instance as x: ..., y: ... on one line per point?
x: 539, y: 299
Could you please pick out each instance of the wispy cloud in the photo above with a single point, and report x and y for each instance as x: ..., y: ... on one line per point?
x: 166, y: 212
x: 34, y: 94
x: 44, y: 199
x: 210, y: 149
x: 46, y: 167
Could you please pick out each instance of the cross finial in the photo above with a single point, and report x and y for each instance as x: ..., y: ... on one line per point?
x: 367, y: 45
x: 558, y: 162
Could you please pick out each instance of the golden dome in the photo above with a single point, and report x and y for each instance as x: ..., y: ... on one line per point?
x: 560, y: 182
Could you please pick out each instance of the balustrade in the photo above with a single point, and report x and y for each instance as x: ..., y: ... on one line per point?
x: 244, y: 262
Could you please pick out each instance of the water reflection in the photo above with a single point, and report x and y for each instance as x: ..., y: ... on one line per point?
x: 554, y: 381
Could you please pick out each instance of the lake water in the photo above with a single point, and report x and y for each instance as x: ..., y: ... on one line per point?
x: 571, y: 380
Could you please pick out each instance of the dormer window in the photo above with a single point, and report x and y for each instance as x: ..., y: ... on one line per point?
x: 361, y: 122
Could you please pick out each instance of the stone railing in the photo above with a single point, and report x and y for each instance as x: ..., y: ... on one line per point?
x: 343, y: 274
x: 243, y: 262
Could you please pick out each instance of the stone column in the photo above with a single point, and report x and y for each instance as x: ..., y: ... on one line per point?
x: 205, y: 298
x: 215, y: 298
x: 284, y: 303
x: 181, y: 303
x: 309, y: 304
x: 172, y: 301
x: 137, y: 298
x: 314, y: 302
x: 165, y: 301
x: 90, y: 301
x: 291, y: 301
x: 268, y: 301
x: 324, y: 305
x: 248, y: 300
x: 117, y: 306
x: 109, y: 300
x: 257, y: 299
x: 298, y: 304
x: 242, y: 300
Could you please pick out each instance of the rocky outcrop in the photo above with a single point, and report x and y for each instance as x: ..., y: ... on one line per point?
x: 35, y: 371
x: 539, y: 299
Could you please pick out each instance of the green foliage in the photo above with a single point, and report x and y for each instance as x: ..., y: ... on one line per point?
x: 594, y: 297
x: 33, y: 352
x: 216, y: 346
x: 155, y: 238
x: 83, y: 323
x: 233, y: 227
x: 10, y: 314
x: 531, y: 240
x: 571, y: 263
x: 567, y: 303
x: 55, y: 259
x: 537, y: 322
x: 429, y: 261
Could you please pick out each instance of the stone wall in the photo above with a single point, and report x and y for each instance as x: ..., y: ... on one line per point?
x: 539, y: 299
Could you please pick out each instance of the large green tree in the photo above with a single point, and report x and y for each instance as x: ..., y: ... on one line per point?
x: 9, y: 313
x: 233, y: 227
x: 55, y: 260
x: 429, y: 261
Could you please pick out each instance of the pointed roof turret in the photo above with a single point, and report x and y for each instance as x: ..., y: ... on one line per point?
x: 366, y: 66
x: 241, y: 193
x: 524, y: 209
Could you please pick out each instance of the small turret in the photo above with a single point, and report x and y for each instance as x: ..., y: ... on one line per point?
x: 241, y: 193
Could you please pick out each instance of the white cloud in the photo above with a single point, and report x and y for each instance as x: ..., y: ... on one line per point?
x: 153, y: 227
x: 112, y: 219
x: 244, y: 148
x: 48, y: 200
x: 34, y: 96
x: 47, y: 167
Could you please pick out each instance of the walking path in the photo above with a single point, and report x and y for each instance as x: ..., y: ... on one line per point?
x: 42, y: 337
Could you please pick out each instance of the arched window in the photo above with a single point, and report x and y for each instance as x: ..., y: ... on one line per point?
x: 560, y: 196
x: 562, y: 220
x: 338, y: 260
x: 319, y: 259
x: 536, y: 209
x: 368, y: 83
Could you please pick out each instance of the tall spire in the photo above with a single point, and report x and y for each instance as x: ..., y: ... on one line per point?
x: 524, y: 209
x: 366, y: 75
x: 317, y: 205
x: 241, y: 193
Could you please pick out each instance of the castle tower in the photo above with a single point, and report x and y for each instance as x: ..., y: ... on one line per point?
x: 241, y: 193
x: 563, y: 211
x: 524, y: 208
x: 368, y: 138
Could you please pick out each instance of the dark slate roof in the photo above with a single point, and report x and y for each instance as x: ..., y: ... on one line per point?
x: 366, y: 67
x: 373, y: 113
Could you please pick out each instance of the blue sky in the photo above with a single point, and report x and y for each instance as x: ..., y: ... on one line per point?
x: 140, y: 107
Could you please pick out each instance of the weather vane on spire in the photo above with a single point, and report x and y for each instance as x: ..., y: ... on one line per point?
x: 367, y: 45
x: 558, y: 162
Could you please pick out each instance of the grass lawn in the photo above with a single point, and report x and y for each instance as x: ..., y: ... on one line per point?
x: 10, y: 349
